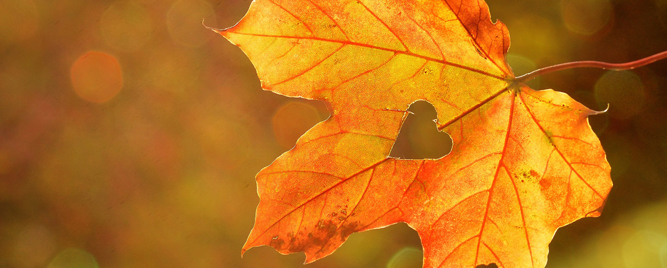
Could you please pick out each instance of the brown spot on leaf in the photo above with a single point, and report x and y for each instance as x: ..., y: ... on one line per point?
x: 528, y: 175
x: 534, y: 173
x: 277, y: 243
x: 296, y: 246
x: 545, y: 184
x: 326, y: 230
x: 348, y: 229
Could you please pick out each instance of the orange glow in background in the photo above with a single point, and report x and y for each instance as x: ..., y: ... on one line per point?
x: 96, y: 76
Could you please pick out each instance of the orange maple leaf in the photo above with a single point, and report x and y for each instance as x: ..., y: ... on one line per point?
x: 523, y: 164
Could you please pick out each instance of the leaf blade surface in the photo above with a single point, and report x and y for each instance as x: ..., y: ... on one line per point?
x: 524, y: 162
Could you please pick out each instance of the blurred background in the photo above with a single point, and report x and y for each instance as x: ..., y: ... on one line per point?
x: 130, y: 135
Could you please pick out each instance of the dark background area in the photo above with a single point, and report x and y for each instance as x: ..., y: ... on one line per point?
x: 130, y: 135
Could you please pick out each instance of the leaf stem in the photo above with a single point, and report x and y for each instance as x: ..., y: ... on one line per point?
x: 591, y: 64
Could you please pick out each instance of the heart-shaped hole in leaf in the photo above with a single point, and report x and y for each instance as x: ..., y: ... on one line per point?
x: 419, y: 137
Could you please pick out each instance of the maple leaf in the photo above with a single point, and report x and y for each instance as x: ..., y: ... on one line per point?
x: 523, y: 163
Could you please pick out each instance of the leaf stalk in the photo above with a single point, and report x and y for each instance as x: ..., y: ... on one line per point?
x: 591, y: 64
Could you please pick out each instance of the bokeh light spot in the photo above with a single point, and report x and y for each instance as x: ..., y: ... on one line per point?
x: 643, y: 249
x: 663, y: 256
x: 586, y: 17
x: 406, y: 258
x: 292, y: 120
x: 73, y: 258
x: 126, y: 26
x: 18, y: 20
x: 184, y: 22
x: 96, y: 76
x: 623, y: 91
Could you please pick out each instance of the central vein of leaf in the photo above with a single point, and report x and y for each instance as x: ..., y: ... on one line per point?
x: 501, y: 165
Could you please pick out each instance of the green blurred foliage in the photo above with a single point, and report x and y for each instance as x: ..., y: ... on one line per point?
x: 162, y: 174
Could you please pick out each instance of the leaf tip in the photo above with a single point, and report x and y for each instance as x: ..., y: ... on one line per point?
x: 246, y: 247
x: 310, y: 258
x: 593, y: 112
x: 216, y: 30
